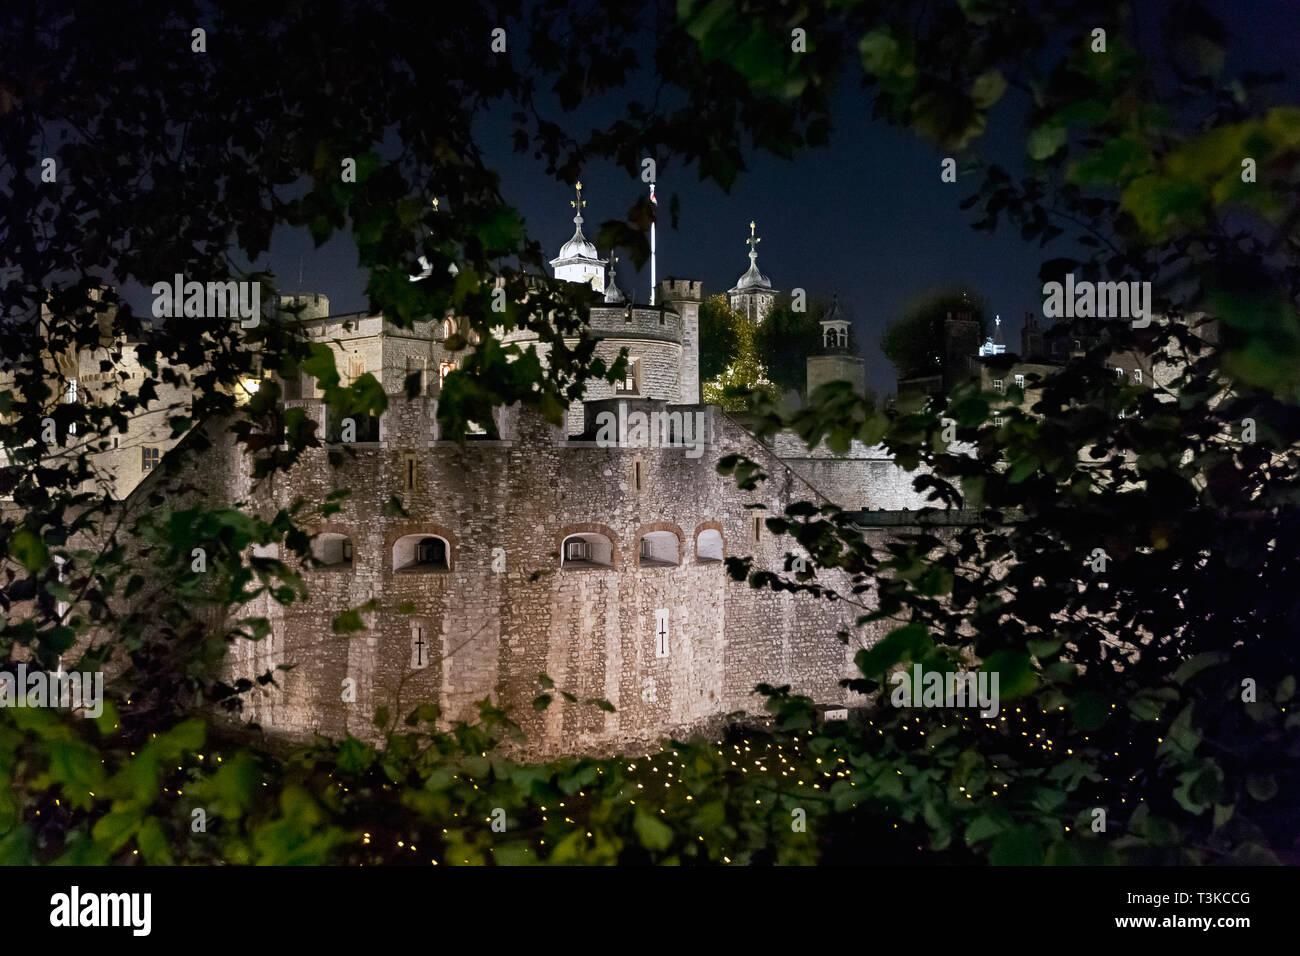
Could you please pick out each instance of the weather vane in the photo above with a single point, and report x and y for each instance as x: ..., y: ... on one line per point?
x: 752, y: 241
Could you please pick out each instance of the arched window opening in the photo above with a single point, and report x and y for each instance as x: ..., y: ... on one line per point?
x: 587, y: 550
x: 332, y: 550
x: 419, y: 553
x: 658, y: 549
x: 708, y: 546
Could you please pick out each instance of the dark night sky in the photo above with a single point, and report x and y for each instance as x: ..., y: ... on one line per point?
x: 867, y: 216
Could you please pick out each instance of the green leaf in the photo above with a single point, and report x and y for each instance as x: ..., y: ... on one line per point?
x: 984, y: 826
x: 114, y: 829
x: 345, y: 622
x: 909, y: 642
x: 29, y: 549
x: 355, y: 756
x: 1261, y: 786
x: 153, y: 844
x: 988, y: 89
x: 1045, y: 140
x: 654, y: 834
x: 1015, y: 673
x: 1043, y: 647
x: 1285, y: 689
x: 1194, y: 665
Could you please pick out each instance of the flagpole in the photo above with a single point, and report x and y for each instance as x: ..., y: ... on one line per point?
x: 654, y: 202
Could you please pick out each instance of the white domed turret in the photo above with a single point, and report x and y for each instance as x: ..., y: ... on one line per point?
x: 753, y: 295
x: 578, y: 260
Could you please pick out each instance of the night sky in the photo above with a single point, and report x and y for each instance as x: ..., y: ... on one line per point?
x: 866, y: 217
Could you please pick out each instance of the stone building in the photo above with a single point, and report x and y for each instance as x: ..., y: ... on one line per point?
x: 535, y: 549
x: 836, y: 360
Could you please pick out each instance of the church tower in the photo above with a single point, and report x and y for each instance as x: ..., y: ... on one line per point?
x: 836, y: 360
x: 1031, y: 338
x: 753, y: 295
x: 578, y: 260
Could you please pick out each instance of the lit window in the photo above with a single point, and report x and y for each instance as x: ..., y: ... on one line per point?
x: 998, y: 421
x: 631, y: 378
x: 997, y: 384
x: 443, y: 369
x: 1020, y: 381
x: 148, y: 458
x: 1137, y: 375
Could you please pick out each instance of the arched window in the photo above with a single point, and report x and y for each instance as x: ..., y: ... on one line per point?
x: 448, y: 327
x: 658, y: 549
x: 708, y: 546
x: 418, y: 553
x: 588, y: 549
x: 332, y: 550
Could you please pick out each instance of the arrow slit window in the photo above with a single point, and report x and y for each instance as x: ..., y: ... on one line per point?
x: 661, y: 632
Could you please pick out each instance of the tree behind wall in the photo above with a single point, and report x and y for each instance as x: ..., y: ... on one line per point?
x: 785, y: 339
x: 913, y: 342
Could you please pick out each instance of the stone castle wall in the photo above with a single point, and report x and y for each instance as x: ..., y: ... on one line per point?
x: 493, y: 631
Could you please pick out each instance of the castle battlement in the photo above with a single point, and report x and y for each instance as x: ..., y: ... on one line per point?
x: 639, y: 321
x: 677, y: 290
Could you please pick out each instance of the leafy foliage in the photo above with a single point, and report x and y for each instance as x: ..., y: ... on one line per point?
x: 784, y: 341
x: 1161, y: 689
x: 913, y: 342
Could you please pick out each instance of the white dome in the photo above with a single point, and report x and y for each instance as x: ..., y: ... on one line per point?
x: 578, y: 247
x: 753, y: 279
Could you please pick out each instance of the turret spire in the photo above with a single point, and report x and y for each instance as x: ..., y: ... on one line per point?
x: 577, y: 203
x: 578, y: 260
x: 612, y: 292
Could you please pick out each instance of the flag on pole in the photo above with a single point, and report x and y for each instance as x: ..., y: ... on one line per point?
x: 655, y: 203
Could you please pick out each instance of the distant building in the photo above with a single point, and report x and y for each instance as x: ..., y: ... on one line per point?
x: 752, y: 295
